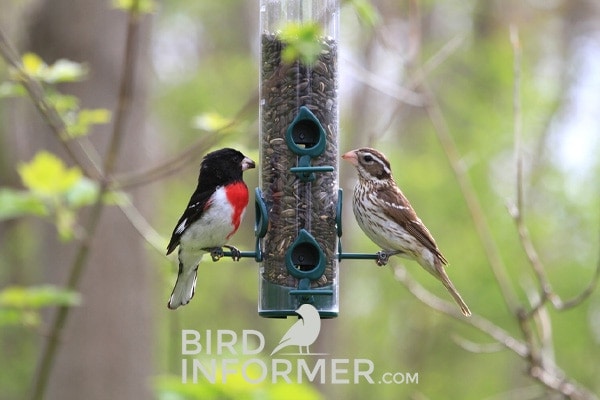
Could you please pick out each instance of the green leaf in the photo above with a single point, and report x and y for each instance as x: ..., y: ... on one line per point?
x: 65, y: 71
x: 36, y: 297
x: 65, y: 104
x: 15, y: 203
x: 20, y: 305
x: 12, y: 317
x: 83, y: 193
x: 85, y: 118
x: 47, y: 175
x: 64, y: 219
x: 32, y: 64
x: 303, y: 42
x: 61, y: 71
x: 95, y: 116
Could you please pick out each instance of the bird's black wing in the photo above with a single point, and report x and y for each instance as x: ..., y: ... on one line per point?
x: 199, y: 202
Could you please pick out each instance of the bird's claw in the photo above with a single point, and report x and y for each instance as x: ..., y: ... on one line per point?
x: 236, y: 255
x: 383, y: 256
x: 216, y: 253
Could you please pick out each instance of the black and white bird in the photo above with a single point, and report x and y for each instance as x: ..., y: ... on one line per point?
x: 212, y: 216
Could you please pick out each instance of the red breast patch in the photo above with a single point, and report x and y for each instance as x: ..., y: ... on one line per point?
x: 237, y: 194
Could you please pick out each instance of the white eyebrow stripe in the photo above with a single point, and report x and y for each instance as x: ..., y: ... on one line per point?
x: 385, y: 167
x: 381, y: 162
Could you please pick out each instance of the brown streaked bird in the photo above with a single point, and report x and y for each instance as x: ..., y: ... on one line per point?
x: 387, y: 218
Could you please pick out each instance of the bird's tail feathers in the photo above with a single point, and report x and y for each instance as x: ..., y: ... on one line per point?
x: 442, y: 276
x: 184, y: 288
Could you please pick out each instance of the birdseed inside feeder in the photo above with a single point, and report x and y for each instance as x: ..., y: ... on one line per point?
x: 297, y: 201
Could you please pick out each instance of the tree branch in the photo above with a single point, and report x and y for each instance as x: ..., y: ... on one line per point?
x: 482, y: 324
x: 516, y: 211
x: 175, y: 163
x: 534, y: 348
x: 550, y: 376
x: 474, y: 206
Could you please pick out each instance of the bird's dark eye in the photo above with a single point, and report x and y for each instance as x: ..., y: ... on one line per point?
x: 368, y: 158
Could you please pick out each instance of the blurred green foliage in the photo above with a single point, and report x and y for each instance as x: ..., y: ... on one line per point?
x: 170, y: 387
x: 20, y: 306
x: 61, y: 71
x: 52, y: 190
x: 301, y: 42
x: 78, y: 122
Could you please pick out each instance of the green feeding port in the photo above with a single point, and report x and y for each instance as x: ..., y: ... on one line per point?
x: 306, y: 137
x: 304, y: 259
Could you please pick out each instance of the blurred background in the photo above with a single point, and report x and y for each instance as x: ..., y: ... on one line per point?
x: 431, y: 83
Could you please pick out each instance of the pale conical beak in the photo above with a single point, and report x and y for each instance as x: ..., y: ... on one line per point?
x: 247, y: 164
x: 351, y: 157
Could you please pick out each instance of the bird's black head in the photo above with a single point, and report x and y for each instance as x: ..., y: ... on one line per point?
x: 223, y: 166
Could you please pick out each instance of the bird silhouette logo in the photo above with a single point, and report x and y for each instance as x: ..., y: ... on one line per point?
x: 304, y: 332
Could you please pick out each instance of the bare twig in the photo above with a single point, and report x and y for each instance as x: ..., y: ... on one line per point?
x: 516, y: 211
x: 443, y: 54
x: 539, y: 341
x: 474, y: 206
x: 550, y: 376
x: 585, y: 293
x: 517, y: 116
x: 543, y: 326
x: 473, y: 347
x: 376, y: 82
x: 482, y: 324
x: 175, y: 163
x: 428, y: 67
x: 143, y: 227
x: 166, y: 168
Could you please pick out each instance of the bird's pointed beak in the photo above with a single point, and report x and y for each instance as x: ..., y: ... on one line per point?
x: 247, y: 163
x: 351, y: 157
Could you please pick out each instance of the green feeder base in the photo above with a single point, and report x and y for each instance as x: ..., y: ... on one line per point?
x: 278, y: 301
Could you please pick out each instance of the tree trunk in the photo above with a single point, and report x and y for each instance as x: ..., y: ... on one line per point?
x: 106, y: 346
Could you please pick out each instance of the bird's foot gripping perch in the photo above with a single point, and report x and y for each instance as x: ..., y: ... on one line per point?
x: 216, y: 253
x: 383, y: 256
